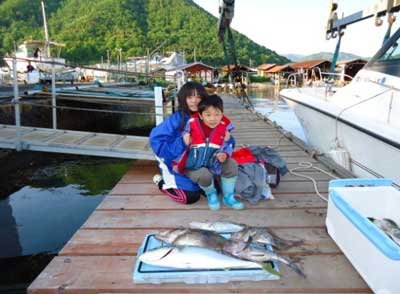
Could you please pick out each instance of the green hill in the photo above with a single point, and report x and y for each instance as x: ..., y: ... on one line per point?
x: 322, y: 55
x: 90, y: 28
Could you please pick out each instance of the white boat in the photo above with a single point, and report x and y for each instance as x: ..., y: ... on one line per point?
x: 25, y: 54
x: 38, y: 54
x: 359, y: 122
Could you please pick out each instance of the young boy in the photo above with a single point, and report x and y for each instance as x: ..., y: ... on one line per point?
x: 208, y: 153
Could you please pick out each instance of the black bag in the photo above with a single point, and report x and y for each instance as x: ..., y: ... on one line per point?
x: 274, y: 176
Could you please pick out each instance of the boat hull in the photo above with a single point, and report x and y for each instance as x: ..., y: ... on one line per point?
x: 371, y: 155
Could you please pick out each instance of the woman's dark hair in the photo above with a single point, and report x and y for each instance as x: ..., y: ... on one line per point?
x: 187, y: 90
x: 212, y: 100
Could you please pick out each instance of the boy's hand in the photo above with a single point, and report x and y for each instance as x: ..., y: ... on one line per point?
x: 186, y: 138
x: 227, y: 136
x: 222, y: 157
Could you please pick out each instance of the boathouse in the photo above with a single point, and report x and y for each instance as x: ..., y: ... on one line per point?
x: 195, y: 71
x: 263, y: 68
x: 312, y: 69
x: 241, y: 72
x: 349, y: 68
x: 279, y: 72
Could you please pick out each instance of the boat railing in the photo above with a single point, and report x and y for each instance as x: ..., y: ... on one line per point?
x: 328, y: 83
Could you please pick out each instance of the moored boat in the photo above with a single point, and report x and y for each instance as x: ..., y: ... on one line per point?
x: 358, y: 125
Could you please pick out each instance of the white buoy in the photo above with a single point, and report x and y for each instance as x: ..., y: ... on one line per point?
x: 341, y: 156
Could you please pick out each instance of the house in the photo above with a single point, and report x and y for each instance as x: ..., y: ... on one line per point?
x: 262, y: 69
x: 279, y: 72
x: 196, y: 71
x: 349, y: 68
x: 312, y: 69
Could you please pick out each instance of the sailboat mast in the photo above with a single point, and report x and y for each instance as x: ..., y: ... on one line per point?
x: 46, y: 32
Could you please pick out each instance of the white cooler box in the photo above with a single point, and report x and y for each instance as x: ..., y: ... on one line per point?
x: 375, y: 256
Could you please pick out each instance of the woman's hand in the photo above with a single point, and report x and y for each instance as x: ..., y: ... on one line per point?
x: 186, y: 138
x: 227, y: 136
x: 222, y: 157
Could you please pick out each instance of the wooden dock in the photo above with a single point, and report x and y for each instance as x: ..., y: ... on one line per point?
x: 100, y: 257
x: 74, y: 142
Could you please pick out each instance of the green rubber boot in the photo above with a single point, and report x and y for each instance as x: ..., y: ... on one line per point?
x: 212, y: 196
x: 228, y: 188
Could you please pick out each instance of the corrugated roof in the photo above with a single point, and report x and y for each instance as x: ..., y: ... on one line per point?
x: 279, y: 68
x: 240, y: 66
x: 266, y: 66
x: 308, y: 63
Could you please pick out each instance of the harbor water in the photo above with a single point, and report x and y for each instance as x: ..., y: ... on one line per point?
x: 266, y: 101
x: 46, y: 197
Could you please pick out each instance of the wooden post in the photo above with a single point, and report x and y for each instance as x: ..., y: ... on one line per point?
x: 158, y: 99
x: 18, y: 146
x: 53, y: 94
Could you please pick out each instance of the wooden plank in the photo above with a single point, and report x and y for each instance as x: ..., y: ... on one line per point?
x: 123, y: 219
x: 124, y: 202
x: 151, y: 189
x: 100, y: 256
x: 128, y: 241
x: 129, y: 178
x: 94, y: 274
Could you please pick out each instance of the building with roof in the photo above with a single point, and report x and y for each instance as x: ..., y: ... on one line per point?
x: 349, y: 68
x: 312, y: 69
x: 262, y: 69
x: 279, y: 72
x: 196, y: 71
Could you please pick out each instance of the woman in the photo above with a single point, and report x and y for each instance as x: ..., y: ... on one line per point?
x: 167, y: 143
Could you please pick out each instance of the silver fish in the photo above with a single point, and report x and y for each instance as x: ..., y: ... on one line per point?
x: 257, y: 255
x: 197, y: 237
x: 169, y: 236
x: 389, y: 227
x: 191, y: 257
x: 262, y: 236
x: 218, y: 226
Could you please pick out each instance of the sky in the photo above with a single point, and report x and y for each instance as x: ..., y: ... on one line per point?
x: 298, y: 27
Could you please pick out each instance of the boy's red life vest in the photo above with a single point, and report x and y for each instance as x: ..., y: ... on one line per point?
x: 202, y: 150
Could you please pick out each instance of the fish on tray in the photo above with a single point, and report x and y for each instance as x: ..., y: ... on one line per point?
x: 192, y: 257
x: 214, y: 241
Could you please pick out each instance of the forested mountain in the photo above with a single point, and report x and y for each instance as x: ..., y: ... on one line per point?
x: 322, y: 55
x: 91, y: 27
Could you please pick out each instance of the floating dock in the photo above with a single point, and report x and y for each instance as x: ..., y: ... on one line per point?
x: 100, y: 257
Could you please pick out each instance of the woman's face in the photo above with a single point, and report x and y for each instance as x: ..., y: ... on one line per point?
x: 193, y: 102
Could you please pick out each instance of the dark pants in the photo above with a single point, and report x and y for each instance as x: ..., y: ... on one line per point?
x: 204, y: 177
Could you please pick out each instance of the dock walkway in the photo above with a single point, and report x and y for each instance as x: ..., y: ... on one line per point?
x: 74, y: 142
x: 100, y: 257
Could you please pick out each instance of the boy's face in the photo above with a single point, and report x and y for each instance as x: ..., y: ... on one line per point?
x: 211, y: 116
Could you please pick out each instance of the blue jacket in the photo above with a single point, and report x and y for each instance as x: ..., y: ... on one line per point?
x: 201, y: 151
x: 166, y: 140
x: 167, y: 143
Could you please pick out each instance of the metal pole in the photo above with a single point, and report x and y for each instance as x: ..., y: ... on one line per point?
x: 53, y: 94
x: 158, y: 99
x: 18, y: 146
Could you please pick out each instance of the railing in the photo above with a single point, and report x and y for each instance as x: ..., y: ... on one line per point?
x: 159, y: 100
x: 328, y: 84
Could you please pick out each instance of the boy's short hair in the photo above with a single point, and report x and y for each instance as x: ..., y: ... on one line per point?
x: 212, y: 100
